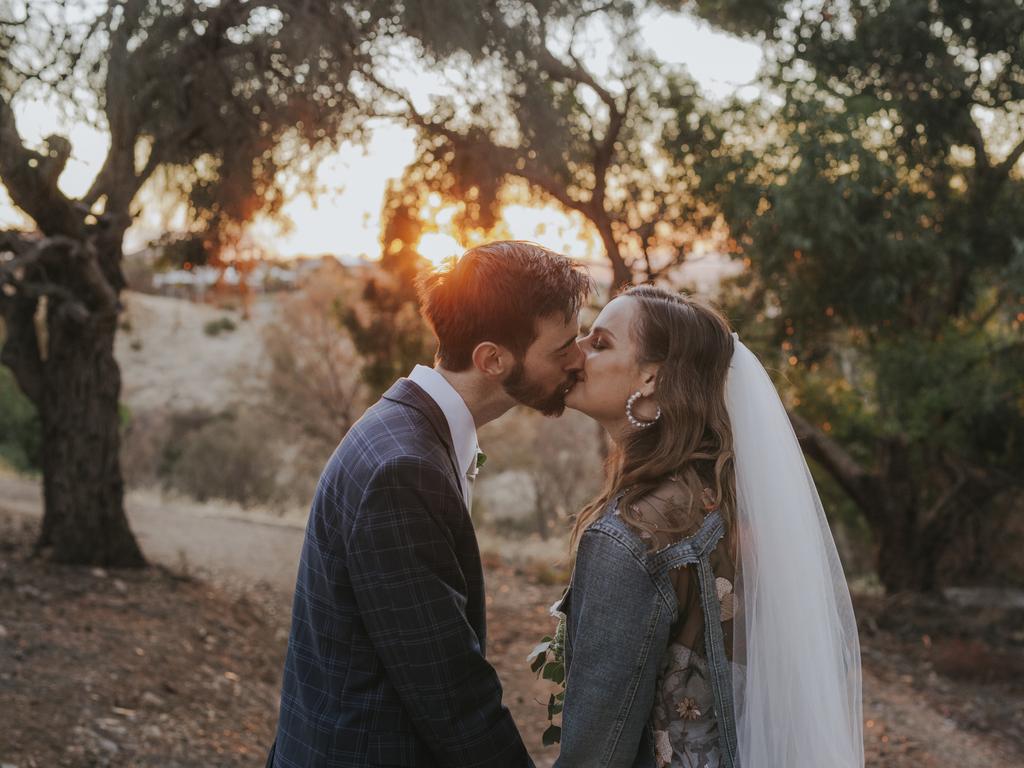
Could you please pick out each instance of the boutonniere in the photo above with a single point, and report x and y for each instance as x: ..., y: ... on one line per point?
x: 474, y: 469
x: 548, y: 660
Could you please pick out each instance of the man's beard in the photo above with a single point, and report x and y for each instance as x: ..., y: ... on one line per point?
x: 533, y: 395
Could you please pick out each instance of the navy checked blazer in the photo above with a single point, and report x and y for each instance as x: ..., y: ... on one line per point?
x: 386, y: 658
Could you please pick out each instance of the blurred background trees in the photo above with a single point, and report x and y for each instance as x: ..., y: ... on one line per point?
x: 529, y: 117
x: 872, y: 192
x: 867, y: 187
x: 217, y: 98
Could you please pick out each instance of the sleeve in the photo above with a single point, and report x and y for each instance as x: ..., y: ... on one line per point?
x: 412, y: 596
x: 618, y: 626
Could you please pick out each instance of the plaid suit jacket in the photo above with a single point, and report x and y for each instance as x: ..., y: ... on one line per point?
x: 386, y: 658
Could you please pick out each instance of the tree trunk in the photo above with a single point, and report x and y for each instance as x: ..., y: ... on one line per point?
x: 621, y: 273
x: 902, y: 565
x: 916, y: 535
x: 84, y: 520
x: 60, y: 346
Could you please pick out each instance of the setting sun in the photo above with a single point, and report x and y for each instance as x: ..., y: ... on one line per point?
x: 438, y: 247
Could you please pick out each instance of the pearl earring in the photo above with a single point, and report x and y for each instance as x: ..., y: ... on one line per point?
x: 633, y: 419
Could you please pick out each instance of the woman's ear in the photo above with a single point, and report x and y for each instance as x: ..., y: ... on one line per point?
x: 649, y: 376
x: 490, y: 359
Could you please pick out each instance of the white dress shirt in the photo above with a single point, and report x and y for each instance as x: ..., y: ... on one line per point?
x: 460, y: 422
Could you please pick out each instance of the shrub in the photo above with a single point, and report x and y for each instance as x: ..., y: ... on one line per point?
x: 20, y: 432
x: 231, y: 456
x: 216, y: 327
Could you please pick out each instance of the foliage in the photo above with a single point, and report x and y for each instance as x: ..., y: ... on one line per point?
x: 19, y: 427
x: 314, y: 382
x: 616, y: 148
x: 220, y: 325
x: 384, y: 322
x: 242, y: 441
x: 876, y: 196
x: 211, y: 102
x: 547, y: 659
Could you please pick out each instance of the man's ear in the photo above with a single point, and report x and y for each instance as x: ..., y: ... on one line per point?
x: 491, y: 359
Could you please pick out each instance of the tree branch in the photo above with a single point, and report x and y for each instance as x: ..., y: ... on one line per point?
x: 979, y: 144
x: 860, y: 485
x: 32, y: 188
x: 531, y: 171
x: 55, y: 254
x: 1006, y: 166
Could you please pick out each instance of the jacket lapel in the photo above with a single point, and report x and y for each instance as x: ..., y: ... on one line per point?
x: 409, y: 393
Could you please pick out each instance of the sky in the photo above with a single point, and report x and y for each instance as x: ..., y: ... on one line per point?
x: 344, y: 219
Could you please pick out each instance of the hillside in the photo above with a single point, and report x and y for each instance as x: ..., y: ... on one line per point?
x: 168, y: 360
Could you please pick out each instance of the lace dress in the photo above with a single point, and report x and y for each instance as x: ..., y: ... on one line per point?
x: 682, y: 721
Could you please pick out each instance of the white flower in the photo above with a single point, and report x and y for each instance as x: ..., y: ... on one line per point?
x: 553, y: 610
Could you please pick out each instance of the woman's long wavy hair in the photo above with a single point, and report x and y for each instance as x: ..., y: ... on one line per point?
x: 693, y: 344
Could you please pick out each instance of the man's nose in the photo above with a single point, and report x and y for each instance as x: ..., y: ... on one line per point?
x: 576, y: 358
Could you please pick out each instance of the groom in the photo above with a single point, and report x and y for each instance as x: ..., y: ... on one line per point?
x: 386, y: 659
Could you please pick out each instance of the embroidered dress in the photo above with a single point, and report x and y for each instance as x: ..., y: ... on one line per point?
x: 683, y: 723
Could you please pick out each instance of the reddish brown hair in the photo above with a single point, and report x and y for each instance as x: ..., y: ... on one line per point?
x: 497, y: 292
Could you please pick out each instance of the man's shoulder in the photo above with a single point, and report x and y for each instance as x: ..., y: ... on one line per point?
x: 388, y: 433
x: 385, y: 423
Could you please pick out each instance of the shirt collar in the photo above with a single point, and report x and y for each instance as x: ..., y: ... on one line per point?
x: 455, y: 410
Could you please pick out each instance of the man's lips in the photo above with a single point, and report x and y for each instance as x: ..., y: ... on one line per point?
x: 572, y: 385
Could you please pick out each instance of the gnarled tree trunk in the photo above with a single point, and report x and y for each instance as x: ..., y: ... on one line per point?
x: 84, y: 519
x: 59, y: 302
x: 916, y: 538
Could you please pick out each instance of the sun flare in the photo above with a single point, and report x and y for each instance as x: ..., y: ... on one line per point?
x: 437, y: 248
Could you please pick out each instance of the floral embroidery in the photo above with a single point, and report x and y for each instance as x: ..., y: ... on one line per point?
x: 726, y: 598
x: 662, y: 748
x: 688, y: 709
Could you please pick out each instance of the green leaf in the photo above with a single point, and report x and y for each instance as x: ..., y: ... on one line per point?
x: 553, y: 735
x: 554, y: 706
x: 554, y: 671
x: 535, y: 667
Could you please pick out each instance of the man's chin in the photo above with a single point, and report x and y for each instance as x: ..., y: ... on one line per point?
x: 552, y: 404
x: 553, y: 410
x: 573, y: 401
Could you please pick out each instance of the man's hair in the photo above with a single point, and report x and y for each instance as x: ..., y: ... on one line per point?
x: 497, y: 292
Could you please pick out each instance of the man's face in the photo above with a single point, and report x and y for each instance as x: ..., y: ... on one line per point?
x: 543, y: 378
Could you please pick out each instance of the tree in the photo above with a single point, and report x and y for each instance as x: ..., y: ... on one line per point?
x: 613, y: 149
x: 209, y: 91
x: 877, y: 196
x: 313, y: 380
x: 218, y: 98
x: 384, y: 322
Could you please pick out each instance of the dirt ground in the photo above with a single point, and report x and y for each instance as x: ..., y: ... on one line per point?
x: 155, y: 668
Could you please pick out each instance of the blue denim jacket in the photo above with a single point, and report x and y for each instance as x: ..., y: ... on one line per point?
x: 620, y: 606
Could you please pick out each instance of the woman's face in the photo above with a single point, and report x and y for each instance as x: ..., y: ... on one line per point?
x: 610, y: 371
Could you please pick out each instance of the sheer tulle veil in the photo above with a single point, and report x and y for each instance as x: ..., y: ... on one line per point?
x: 797, y: 677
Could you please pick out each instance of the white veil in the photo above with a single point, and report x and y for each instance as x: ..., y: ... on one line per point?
x: 798, y: 701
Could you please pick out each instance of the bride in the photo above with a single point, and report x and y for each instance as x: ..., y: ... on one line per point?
x: 707, y: 622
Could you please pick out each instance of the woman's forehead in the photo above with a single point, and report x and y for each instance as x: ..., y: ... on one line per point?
x: 617, y: 315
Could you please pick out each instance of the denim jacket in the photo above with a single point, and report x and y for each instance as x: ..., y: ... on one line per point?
x: 620, y: 606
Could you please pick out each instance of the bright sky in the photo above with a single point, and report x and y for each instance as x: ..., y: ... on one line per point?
x: 345, y: 218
